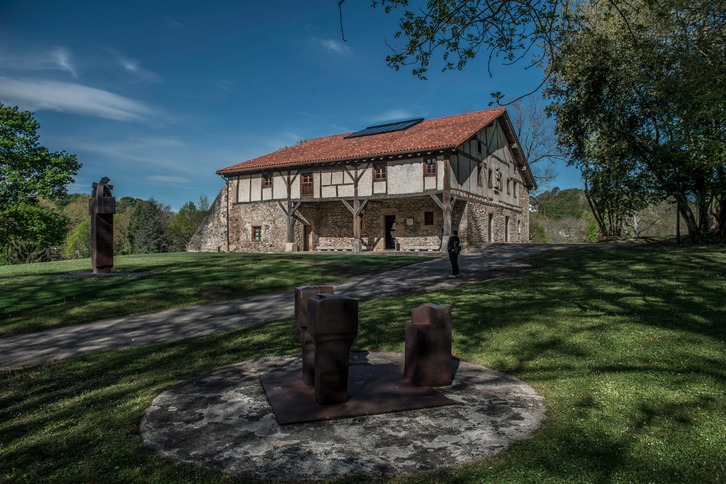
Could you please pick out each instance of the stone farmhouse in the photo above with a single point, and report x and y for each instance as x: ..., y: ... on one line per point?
x: 395, y: 187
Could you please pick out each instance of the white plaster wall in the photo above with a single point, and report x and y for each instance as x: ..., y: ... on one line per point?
x: 405, y: 177
x: 243, y: 190
x: 365, y: 185
x: 346, y: 191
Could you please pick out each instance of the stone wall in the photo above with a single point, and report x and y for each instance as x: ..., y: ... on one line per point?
x: 411, y: 231
x: 268, y: 217
x: 211, y: 235
x: 477, y: 226
x: 330, y: 224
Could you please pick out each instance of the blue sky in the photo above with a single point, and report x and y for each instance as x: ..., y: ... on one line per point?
x: 159, y: 95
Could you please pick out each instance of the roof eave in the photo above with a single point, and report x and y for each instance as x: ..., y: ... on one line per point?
x: 328, y: 161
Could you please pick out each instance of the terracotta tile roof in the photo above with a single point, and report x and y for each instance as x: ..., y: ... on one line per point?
x: 441, y: 133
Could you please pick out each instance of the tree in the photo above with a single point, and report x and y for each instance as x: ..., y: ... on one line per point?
x: 148, y: 225
x: 31, y: 233
x: 29, y: 171
x: 186, y: 222
x: 639, y: 103
x: 461, y: 29
x: 78, y: 241
x: 537, y: 138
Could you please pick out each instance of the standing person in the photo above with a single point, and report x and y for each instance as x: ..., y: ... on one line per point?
x: 454, y: 247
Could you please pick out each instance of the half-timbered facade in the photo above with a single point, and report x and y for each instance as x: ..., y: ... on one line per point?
x: 402, y: 186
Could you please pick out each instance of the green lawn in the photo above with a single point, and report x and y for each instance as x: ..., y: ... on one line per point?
x: 627, y: 345
x: 33, y: 296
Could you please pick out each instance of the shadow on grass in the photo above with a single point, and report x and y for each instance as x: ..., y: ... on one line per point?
x: 631, y: 369
x: 30, y: 301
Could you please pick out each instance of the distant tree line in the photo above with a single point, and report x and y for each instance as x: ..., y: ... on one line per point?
x: 140, y: 226
x: 565, y: 216
x: 40, y: 221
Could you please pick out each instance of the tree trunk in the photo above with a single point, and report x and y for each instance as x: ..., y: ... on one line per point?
x: 688, y: 217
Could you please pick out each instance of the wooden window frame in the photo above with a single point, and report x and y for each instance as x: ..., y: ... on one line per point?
x: 430, y: 166
x: 380, y: 171
x: 307, y: 185
x: 256, y: 235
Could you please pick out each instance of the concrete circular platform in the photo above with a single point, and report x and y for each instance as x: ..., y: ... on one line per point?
x: 221, y: 419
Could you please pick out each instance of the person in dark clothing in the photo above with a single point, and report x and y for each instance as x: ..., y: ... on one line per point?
x: 454, y: 247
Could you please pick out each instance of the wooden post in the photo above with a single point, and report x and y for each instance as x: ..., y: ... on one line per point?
x: 357, y: 208
x: 446, y: 198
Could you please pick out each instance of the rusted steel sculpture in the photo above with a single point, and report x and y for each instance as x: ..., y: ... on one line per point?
x: 302, y: 294
x: 333, y: 326
x: 102, y: 206
x: 428, y: 346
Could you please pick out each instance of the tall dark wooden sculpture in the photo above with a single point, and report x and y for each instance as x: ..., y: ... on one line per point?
x: 102, y: 206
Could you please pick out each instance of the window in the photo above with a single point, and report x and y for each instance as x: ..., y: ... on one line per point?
x: 509, y: 186
x: 489, y: 178
x: 428, y: 218
x: 379, y: 171
x: 478, y: 146
x: 479, y: 180
x: 256, y: 234
x: 514, y: 188
x: 306, y: 185
x: 266, y: 180
x: 430, y: 167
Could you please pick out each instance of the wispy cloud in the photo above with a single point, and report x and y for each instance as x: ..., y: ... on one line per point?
x: 149, y: 154
x: 74, y: 98
x: 134, y: 68
x: 336, y: 46
x: 57, y: 59
x: 62, y: 58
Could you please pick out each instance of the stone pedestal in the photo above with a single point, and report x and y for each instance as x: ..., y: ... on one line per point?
x: 102, y: 206
x: 302, y: 294
x: 428, y: 346
x: 333, y: 326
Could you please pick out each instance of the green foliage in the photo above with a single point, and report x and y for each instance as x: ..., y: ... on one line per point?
x: 78, y: 242
x: 460, y: 30
x: 28, y: 170
x: 186, y: 222
x: 148, y: 227
x: 626, y: 345
x: 640, y: 107
x: 562, y: 216
x: 557, y: 204
x: 537, y: 234
x: 30, y: 233
x: 593, y: 233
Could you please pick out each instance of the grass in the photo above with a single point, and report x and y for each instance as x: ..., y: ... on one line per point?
x: 627, y: 345
x: 33, y: 297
